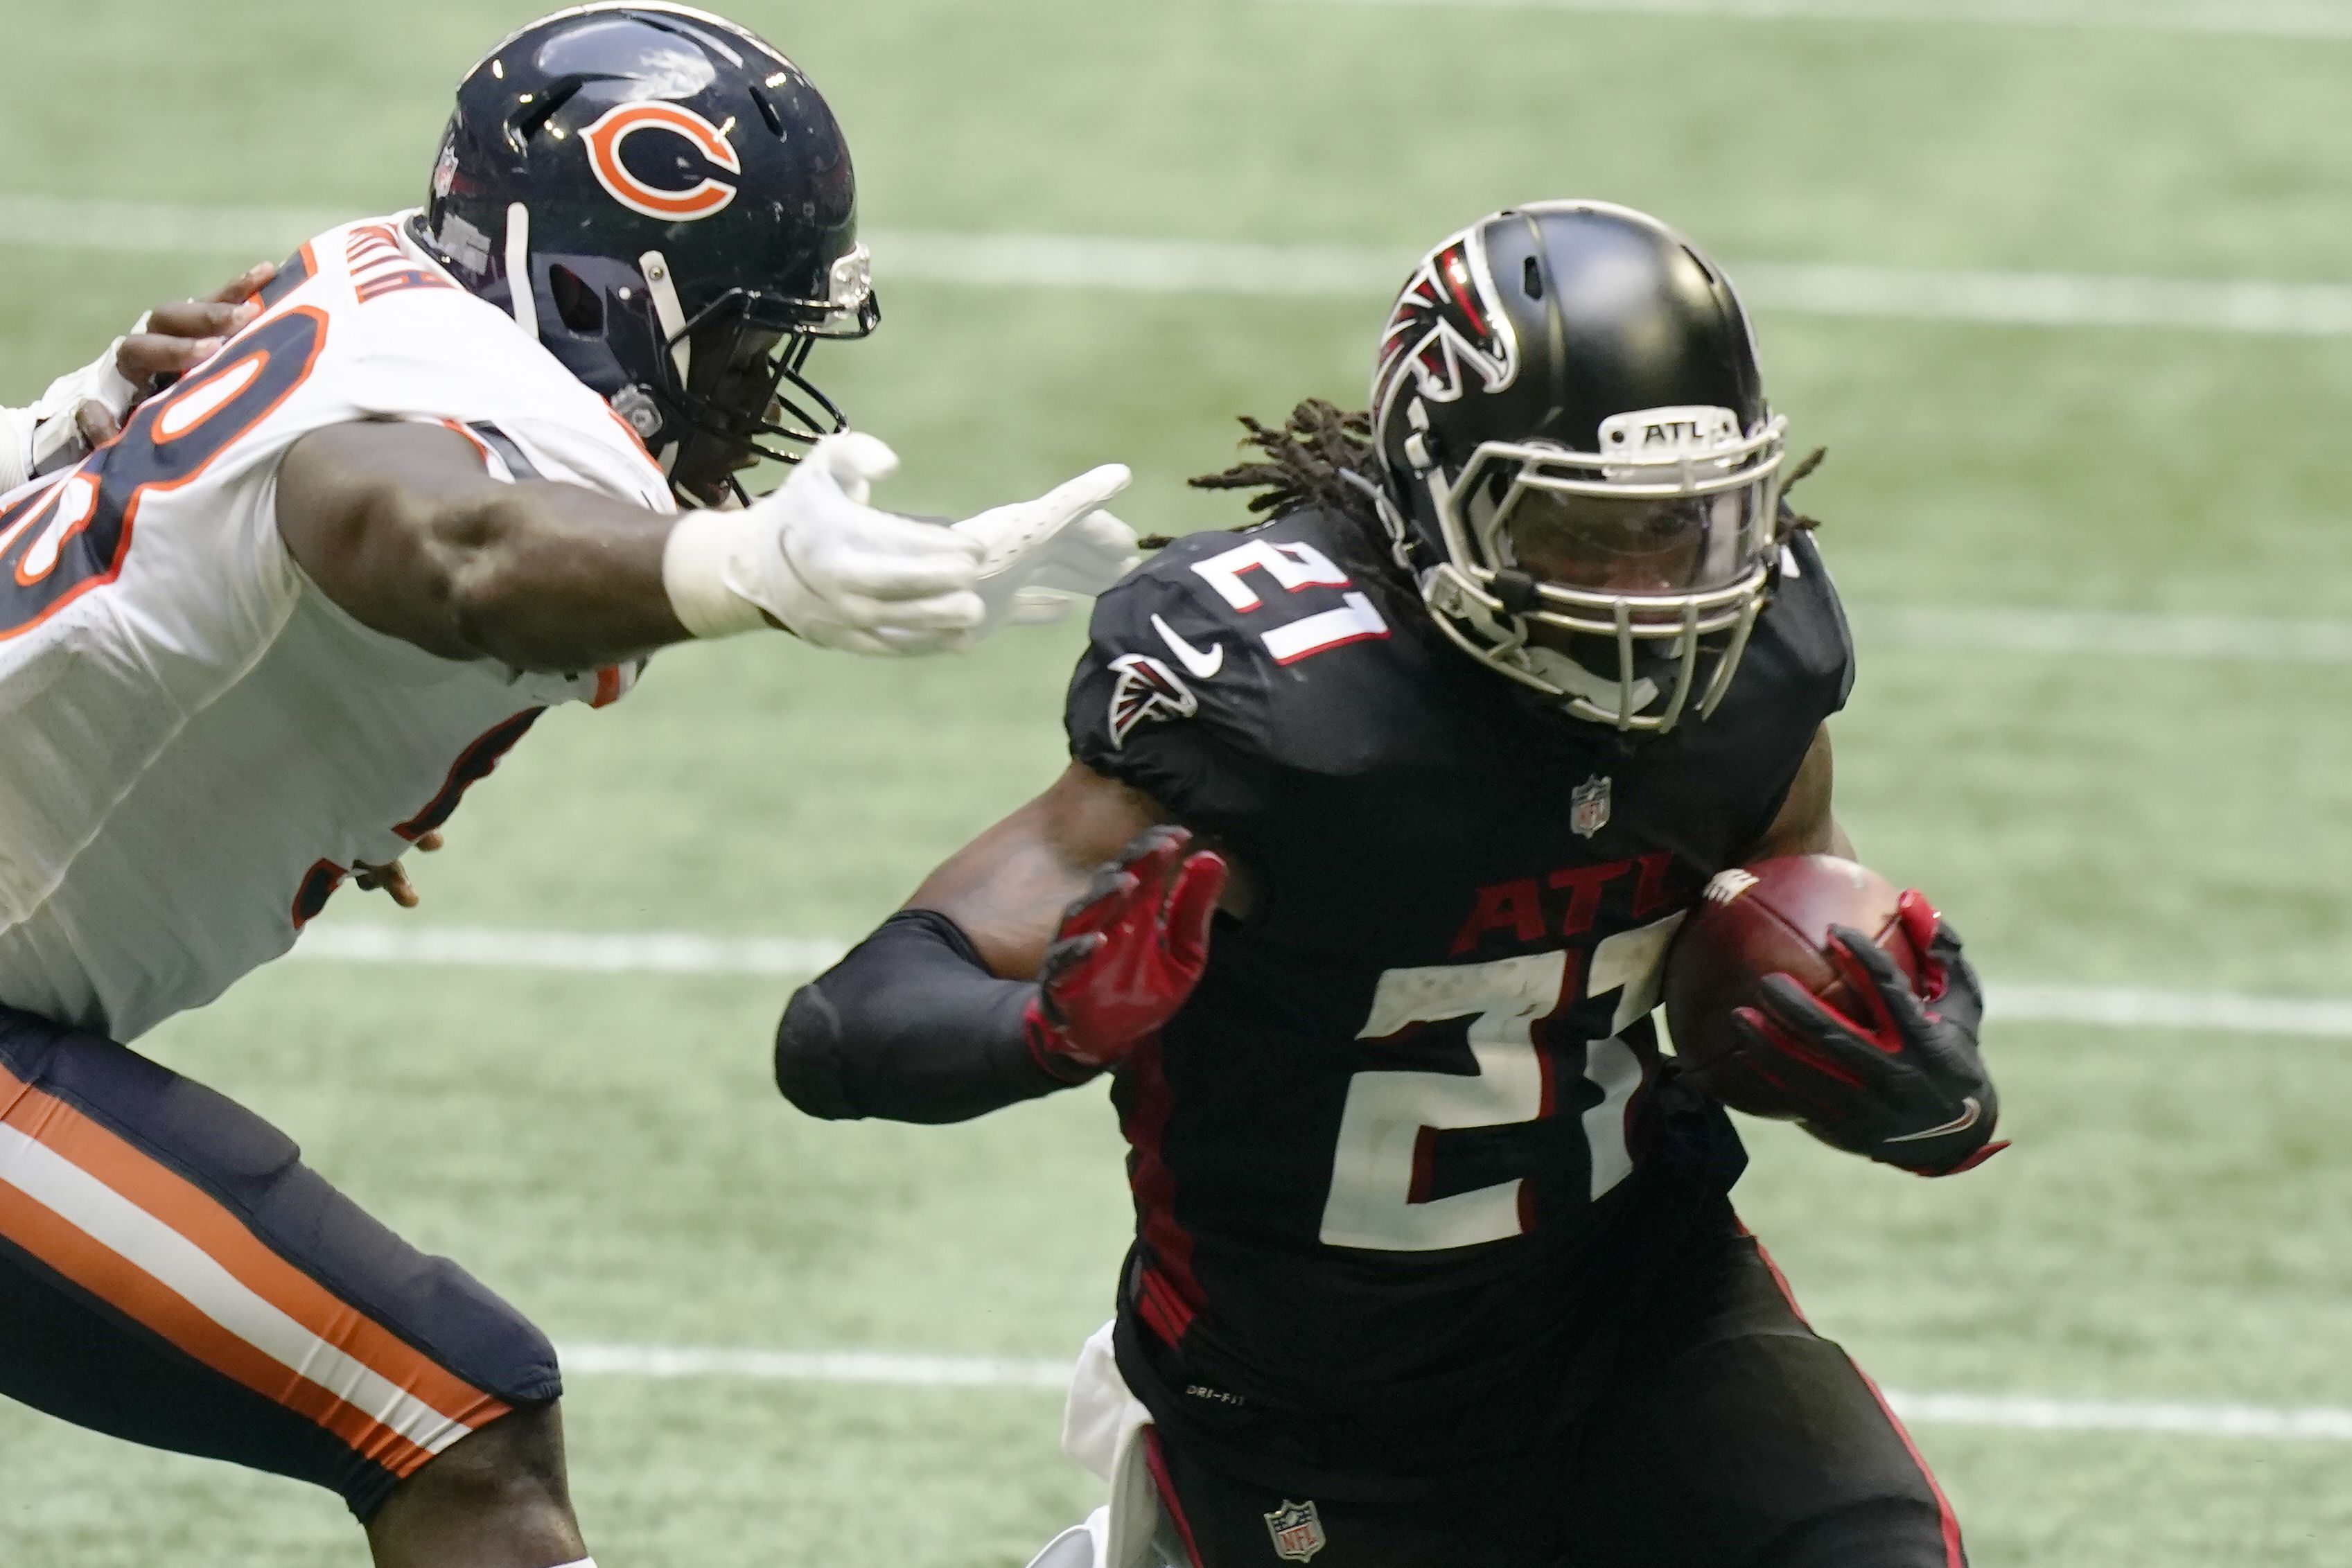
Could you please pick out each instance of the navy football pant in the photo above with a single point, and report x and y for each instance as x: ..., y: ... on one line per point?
x: 170, y: 1273
x: 1745, y: 1441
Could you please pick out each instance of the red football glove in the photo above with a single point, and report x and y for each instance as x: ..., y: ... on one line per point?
x: 1904, y: 1083
x: 1130, y: 951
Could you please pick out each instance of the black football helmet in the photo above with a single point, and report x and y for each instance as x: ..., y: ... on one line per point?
x: 1581, y: 469
x: 667, y: 203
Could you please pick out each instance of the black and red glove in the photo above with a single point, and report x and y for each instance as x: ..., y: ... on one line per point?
x: 1129, y: 952
x: 1906, y: 1085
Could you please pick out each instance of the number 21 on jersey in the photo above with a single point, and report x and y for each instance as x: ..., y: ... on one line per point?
x: 1381, y: 1168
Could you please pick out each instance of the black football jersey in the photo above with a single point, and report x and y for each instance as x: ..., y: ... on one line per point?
x: 1409, y: 1145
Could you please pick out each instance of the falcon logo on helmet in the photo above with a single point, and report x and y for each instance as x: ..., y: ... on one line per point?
x: 1445, y: 326
x: 705, y: 196
x: 1147, y: 689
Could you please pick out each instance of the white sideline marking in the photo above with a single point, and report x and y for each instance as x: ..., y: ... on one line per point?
x: 2022, y: 1412
x: 815, y: 1366
x: 637, y: 952
x: 2243, y: 18
x: 2261, y: 639
x: 2018, y: 1411
x: 2315, y: 1017
x: 788, y: 957
x: 1191, y: 266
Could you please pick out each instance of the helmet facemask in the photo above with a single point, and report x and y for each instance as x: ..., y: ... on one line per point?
x: 732, y: 376
x: 1624, y: 584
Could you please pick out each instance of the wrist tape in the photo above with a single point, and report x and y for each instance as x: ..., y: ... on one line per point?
x: 707, y: 555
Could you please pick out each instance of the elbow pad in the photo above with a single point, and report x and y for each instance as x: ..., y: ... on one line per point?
x: 808, y: 1056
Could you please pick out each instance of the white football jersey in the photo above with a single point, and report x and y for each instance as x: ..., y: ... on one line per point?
x: 195, y: 745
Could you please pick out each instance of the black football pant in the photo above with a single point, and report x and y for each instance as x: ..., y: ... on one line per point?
x: 1749, y: 1442
x: 172, y: 1273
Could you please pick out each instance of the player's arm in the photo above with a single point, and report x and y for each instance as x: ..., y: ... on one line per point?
x: 1806, y: 824
x: 400, y: 524
x: 1904, y: 1082
x: 1039, y: 954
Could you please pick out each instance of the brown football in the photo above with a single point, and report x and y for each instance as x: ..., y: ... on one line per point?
x: 1771, y: 917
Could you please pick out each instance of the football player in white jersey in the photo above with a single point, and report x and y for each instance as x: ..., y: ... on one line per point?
x: 271, y: 631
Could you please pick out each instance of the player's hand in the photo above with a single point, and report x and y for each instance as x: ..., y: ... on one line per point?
x: 84, y: 410
x: 1129, y: 952
x: 391, y: 880
x: 1905, y: 1085
x: 815, y: 559
x: 173, y: 339
x: 1040, y: 553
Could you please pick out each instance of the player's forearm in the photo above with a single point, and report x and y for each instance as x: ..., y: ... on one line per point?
x: 552, y: 576
x: 397, y: 523
x: 909, y: 1027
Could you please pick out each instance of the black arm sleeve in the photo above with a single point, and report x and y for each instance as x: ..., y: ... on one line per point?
x: 910, y: 1027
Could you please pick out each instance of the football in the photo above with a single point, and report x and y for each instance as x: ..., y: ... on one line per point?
x: 1771, y: 917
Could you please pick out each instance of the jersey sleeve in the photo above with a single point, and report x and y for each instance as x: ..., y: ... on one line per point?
x: 1818, y: 635
x: 1234, y: 669
x: 1804, y: 653
x: 1160, y: 703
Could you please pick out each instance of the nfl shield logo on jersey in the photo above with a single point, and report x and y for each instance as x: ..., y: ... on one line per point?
x: 1297, y: 1531
x: 1588, y: 807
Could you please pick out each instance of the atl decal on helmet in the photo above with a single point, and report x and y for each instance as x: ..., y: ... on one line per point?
x: 700, y: 200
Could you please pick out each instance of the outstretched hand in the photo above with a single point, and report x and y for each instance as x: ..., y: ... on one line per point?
x: 1041, y: 557
x: 1128, y: 955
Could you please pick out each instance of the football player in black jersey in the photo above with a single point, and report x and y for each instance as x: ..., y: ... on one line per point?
x: 1402, y: 793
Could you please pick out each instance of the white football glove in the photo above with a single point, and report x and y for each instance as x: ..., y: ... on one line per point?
x: 815, y: 559
x: 1040, y: 552
x: 47, y: 436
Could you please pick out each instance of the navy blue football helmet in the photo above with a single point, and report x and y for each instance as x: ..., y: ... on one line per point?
x: 668, y: 203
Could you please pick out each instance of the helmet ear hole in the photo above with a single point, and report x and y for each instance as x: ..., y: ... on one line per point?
x: 1531, y: 280
x: 768, y: 112
x: 581, y: 306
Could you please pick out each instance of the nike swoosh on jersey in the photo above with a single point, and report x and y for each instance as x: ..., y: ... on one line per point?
x: 1960, y: 1124
x: 1197, y: 665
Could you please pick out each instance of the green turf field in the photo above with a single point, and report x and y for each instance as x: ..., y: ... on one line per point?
x: 606, y: 1151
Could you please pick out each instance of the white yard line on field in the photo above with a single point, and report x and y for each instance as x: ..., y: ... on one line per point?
x: 1195, y: 266
x: 629, y: 952
x: 2016, y: 1412
x: 815, y: 1366
x: 2240, y: 18
x: 677, y: 953
x: 2260, y: 640
x: 2103, y: 1007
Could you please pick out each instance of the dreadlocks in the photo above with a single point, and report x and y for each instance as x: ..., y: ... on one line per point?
x: 1320, y: 456
x: 1302, y: 461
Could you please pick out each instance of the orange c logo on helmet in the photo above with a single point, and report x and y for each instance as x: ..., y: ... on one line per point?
x: 700, y: 200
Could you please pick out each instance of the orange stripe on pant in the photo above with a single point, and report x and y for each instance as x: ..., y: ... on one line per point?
x: 221, y: 1236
